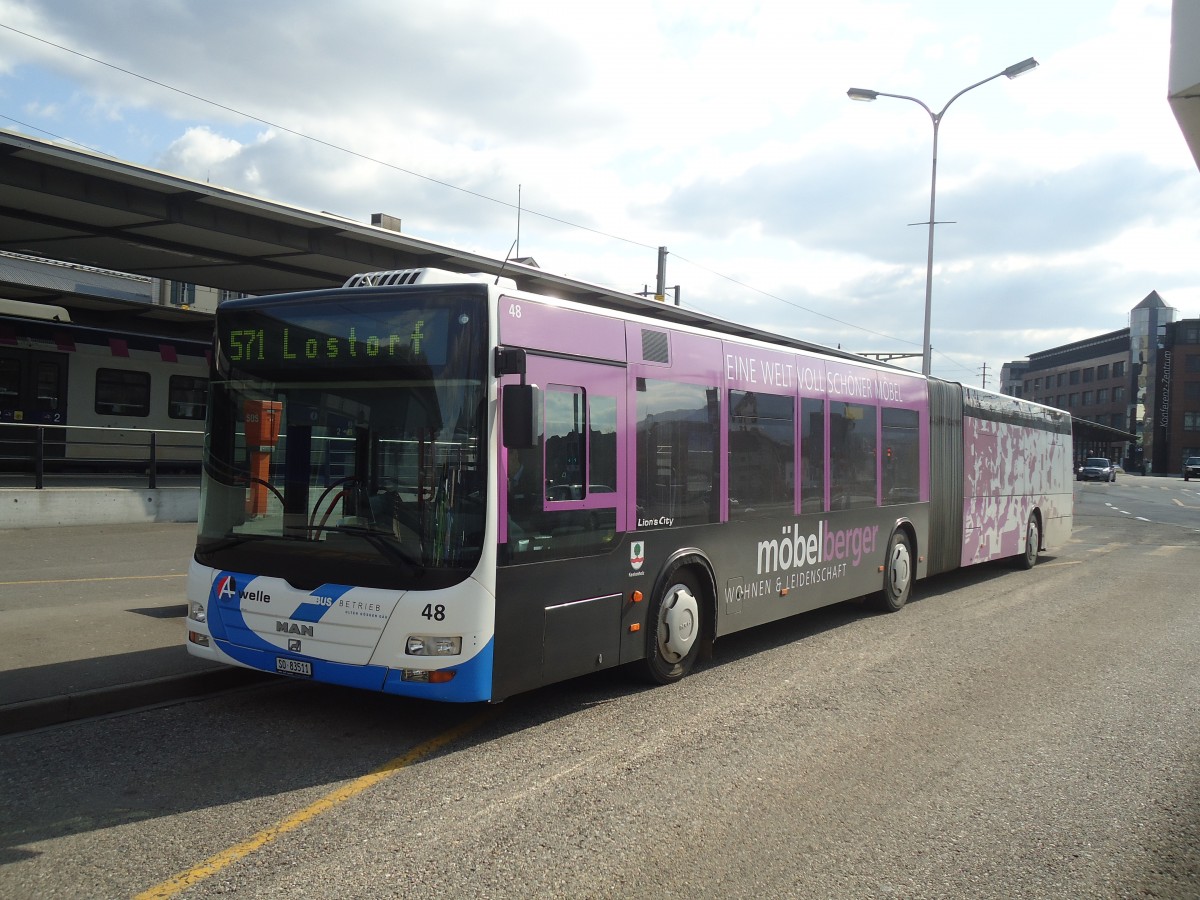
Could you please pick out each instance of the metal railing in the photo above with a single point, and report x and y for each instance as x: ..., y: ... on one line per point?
x: 91, y: 452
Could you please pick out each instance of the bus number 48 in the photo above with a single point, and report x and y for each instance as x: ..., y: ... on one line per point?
x: 437, y: 613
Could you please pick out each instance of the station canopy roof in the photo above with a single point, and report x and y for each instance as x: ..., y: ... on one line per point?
x: 75, y: 206
x: 70, y: 205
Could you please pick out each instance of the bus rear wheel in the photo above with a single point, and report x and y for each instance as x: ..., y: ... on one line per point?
x: 898, y: 574
x: 1033, y: 540
x: 674, y: 630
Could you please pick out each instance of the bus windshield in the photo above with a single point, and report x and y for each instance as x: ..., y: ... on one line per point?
x: 345, y: 436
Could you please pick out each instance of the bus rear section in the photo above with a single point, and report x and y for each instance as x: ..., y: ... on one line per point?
x: 1001, y: 482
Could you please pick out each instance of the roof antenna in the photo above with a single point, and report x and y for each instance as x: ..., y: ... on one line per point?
x: 507, y: 257
x: 515, y: 245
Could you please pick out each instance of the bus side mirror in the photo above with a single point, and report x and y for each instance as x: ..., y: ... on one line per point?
x: 510, y: 361
x: 519, y: 408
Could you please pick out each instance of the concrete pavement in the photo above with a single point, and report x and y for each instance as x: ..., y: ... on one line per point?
x: 91, y: 622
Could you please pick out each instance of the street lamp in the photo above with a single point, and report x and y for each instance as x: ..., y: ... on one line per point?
x: 862, y: 94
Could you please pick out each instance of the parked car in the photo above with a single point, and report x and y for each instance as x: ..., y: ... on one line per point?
x: 1191, y: 468
x: 1097, y: 469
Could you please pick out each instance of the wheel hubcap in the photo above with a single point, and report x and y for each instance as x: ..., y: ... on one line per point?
x: 678, y: 624
x: 900, y: 570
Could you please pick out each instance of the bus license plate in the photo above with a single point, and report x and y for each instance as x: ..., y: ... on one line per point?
x: 287, y: 666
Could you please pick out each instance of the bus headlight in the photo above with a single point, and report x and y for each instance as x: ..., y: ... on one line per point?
x: 432, y: 645
x: 199, y: 612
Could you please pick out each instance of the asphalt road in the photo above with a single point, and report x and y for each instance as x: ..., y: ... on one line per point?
x: 1008, y: 734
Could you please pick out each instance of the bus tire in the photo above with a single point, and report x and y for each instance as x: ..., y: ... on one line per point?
x: 674, y: 629
x: 898, y: 573
x: 1033, y: 540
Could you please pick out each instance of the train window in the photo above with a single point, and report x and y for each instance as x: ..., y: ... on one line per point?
x: 122, y: 392
x: 49, y: 386
x: 10, y: 383
x: 188, y: 397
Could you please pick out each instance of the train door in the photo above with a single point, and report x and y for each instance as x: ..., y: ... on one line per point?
x: 32, y: 392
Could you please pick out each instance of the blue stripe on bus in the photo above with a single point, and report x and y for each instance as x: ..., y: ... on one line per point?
x: 472, y: 681
x: 312, y: 612
x: 225, y: 621
x: 369, y: 677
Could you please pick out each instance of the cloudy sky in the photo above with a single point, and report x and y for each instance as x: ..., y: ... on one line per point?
x: 721, y: 131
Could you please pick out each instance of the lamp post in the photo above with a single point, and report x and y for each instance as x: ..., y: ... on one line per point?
x: 862, y: 94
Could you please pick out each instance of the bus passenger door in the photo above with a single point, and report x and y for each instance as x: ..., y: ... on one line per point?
x: 564, y: 495
x: 563, y: 514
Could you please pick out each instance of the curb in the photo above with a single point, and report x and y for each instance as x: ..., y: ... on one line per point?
x: 31, y: 714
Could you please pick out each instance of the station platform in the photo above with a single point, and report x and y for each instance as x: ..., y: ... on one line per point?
x: 92, y: 621
x: 111, y: 500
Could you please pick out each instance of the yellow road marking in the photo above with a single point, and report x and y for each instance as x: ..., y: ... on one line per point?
x: 1166, y: 550
x: 105, y: 578
x: 225, y: 858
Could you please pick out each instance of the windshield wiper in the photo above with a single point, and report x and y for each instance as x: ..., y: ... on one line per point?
x: 382, y: 542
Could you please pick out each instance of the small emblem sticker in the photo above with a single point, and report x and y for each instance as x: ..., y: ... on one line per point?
x: 637, y: 555
x: 227, y: 589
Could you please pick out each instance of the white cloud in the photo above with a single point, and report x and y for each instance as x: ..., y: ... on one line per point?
x: 722, y: 132
x: 198, y: 150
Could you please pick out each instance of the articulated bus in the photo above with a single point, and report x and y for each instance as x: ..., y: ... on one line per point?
x: 440, y: 486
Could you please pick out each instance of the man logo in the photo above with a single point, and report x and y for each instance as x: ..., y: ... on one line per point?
x: 293, y: 628
x: 637, y: 555
x: 227, y: 589
x: 293, y: 645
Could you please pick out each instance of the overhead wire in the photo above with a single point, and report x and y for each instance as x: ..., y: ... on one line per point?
x: 798, y: 306
x: 57, y: 137
x: 368, y: 158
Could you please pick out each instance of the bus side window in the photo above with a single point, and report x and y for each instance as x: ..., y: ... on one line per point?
x: 762, y: 454
x: 812, y: 455
x: 602, y: 444
x: 678, y: 466
x: 525, y: 488
x: 566, y: 451
x: 901, y: 456
x: 575, y: 459
x: 852, y: 456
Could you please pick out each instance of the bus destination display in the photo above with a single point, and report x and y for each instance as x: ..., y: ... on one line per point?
x: 335, y: 339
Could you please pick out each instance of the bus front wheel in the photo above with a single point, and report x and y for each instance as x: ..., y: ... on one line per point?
x: 674, y: 626
x: 898, y: 574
